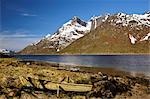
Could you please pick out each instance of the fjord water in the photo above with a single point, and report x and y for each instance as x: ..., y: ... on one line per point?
x: 137, y: 63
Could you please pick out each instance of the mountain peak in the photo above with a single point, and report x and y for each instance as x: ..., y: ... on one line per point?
x: 76, y: 28
x: 66, y: 34
x: 121, y: 14
x: 76, y: 19
x: 148, y: 12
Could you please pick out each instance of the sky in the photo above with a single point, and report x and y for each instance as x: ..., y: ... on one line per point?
x: 23, y: 22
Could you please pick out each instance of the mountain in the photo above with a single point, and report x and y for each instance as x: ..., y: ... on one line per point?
x: 117, y: 33
x: 120, y: 33
x: 4, y: 51
x: 65, y: 35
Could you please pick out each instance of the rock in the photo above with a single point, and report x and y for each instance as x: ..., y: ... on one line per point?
x: 104, y: 89
x: 27, y: 96
x: 3, y: 97
x: 108, y: 86
x: 110, y: 78
x: 28, y: 63
x: 78, y: 97
x: 108, y: 94
x: 99, y: 83
x: 11, y: 94
x: 105, y: 77
x: 98, y: 77
x: 129, y: 93
x: 100, y: 73
x: 11, y: 82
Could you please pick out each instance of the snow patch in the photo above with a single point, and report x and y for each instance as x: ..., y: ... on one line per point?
x: 48, y: 35
x: 132, y: 39
x: 134, y: 19
x: 146, y: 37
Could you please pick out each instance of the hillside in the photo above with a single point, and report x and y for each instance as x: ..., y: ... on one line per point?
x: 117, y: 33
x: 108, y: 39
x: 112, y: 37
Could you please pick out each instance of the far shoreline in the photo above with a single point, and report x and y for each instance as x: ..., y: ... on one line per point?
x: 89, y: 66
x: 91, y: 54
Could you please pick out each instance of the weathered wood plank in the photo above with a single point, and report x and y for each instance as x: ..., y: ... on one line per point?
x: 69, y: 87
x: 54, y: 85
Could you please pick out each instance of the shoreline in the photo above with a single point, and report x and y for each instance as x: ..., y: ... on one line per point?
x: 91, y: 54
x: 96, y: 68
x: 21, y: 76
x: 92, y: 69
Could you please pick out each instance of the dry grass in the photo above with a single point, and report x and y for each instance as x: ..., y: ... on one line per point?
x: 13, y: 68
x: 109, y: 39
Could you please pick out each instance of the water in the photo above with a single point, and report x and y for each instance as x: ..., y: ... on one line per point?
x: 137, y: 63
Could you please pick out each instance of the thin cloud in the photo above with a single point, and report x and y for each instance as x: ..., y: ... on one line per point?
x: 18, y: 34
x: 28, y: 15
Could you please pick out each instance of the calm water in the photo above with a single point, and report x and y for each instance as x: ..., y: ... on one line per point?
x: 138, y: 63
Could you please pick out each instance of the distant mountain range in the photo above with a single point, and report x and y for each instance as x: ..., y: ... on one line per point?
x: 117, y: 33
x: 4, y: 51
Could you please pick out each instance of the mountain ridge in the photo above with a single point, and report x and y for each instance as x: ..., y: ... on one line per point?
x: 66, y: 34
x: 76, y: 29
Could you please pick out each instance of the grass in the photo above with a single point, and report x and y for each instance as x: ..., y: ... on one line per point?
x: 8, y: 59
x: 12, y: 68
x: 109, y: 39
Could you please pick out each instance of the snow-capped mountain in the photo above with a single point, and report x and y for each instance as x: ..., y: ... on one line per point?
x: 72, y: 30
x: 69, y: 32
x: 4, y: 51
x: 134, y: 20
x: 77, y: 28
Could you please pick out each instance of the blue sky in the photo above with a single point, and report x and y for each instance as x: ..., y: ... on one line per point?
x: 25, y: 21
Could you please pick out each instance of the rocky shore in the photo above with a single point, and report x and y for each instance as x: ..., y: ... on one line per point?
x: 28, y: 80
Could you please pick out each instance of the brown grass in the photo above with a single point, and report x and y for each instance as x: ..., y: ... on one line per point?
x: 109, y: 39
